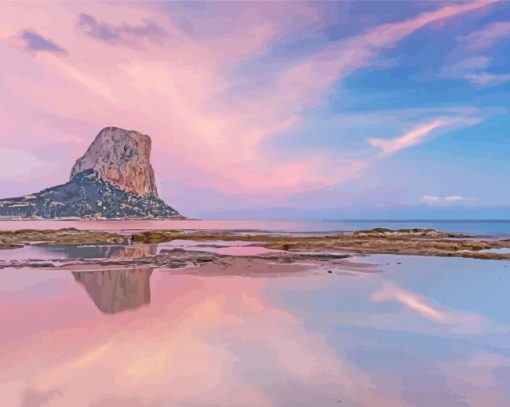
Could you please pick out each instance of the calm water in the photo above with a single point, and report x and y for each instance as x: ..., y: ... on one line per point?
x: 479, y: 227
x: 425, y: 332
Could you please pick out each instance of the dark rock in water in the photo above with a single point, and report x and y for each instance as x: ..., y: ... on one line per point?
x: 104, y: 184
x: 384, y: 232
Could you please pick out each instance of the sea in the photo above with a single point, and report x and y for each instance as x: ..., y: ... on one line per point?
x: 489, y: 227
x: 399, y: 331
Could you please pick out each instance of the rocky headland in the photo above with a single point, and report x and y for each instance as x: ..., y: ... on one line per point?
x: 113, y: 179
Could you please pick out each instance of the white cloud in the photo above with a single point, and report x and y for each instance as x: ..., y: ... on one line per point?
x: 445, y: 200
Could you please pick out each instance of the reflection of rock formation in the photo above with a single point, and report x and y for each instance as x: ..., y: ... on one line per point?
x: 104, y: 251
x: 117, y: 290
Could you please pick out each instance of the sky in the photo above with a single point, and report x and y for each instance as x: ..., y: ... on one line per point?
x: 269, y: 109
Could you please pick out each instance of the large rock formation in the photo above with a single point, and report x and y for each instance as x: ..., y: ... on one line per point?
x: 121, y: 157
x: 113, y: 179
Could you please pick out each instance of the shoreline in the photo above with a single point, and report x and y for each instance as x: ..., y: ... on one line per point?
x: 322, y: 248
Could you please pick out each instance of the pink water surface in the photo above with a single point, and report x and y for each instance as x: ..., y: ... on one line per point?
x: 145, y: 337
x: 261, y: 225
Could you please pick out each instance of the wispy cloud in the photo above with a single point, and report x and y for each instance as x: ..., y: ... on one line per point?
x: 487, y: 36
x: 445, y: 200
x: 85, y: 80
x: 34, y: 42
x: 413, y: 137
x: 486, y: 79
x: 421, y: 133
x: 121, y: 34
x: 466, y: 66
x: 473, y: 70
x: 305, y: 83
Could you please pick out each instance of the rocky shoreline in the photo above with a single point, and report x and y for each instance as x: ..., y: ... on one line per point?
x: 178, y: 259
x: 319, y: 251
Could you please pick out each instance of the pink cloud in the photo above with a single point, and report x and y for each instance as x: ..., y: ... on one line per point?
x: 420, y: 134
x: 411, y: 138
x: 182, y: 91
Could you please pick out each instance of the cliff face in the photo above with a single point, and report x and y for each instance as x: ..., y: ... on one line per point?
x: 113, y: 179
x: 121, y: 157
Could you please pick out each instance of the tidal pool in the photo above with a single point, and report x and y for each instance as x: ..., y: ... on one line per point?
x: 499, y: 250
x: 422, y: 331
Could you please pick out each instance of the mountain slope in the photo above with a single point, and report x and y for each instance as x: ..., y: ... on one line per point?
x: 113, y: 179
x: 86, y: 196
